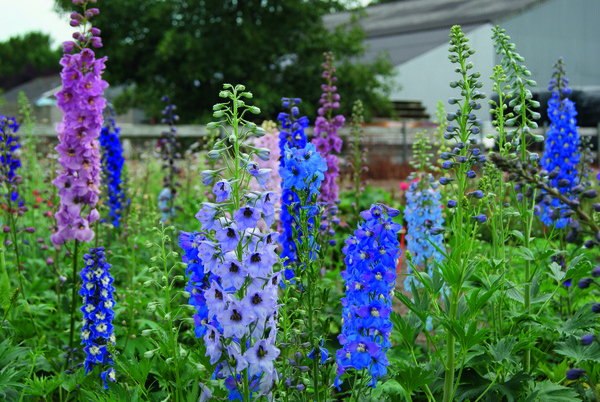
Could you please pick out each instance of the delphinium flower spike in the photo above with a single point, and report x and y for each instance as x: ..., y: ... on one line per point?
x: 82, y: 103
x: 168, y: 150
x: 291, y: 136
x: 271, y: 142
x: 461, y: 134
x: 358, y: 155
x: 523, y: 121
x: 302, y: 171
x: 12, y: 202
x: 561, y: 153
x: 230, y: 262
x: 112, y: 166
x: 370, y: 276
x: 97, y: 332
x: 327, y: 140
x: 423, y: 214
x: 9, y: 157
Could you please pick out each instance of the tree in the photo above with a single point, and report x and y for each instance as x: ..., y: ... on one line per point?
x: 25, y: 57
x: 188, y: 48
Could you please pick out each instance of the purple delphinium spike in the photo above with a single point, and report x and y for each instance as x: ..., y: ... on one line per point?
x: 168, y: 150
x: 82, y: 103
x: 327, y: 140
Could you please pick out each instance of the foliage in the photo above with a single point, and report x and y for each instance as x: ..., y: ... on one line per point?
x: 507, y: 312
x: 189, y: 49
x: 25, y: 57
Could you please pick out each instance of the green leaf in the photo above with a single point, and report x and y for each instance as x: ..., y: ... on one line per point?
x: 584, y: 318
x: 516, y: 295
x: 474, y: 335
x: 502, y: 351
x: 525, y: 253
x: 547, y: 391
x: 517, y: 234
x: 473, y: 385
x: 406, y: 330
x: 556, y: 272
x: 513, y: 387
x: 9, y: 380
x: 574, y: 350
x: 411, y: 378
x: 575, y: 262
x: 389, y: 390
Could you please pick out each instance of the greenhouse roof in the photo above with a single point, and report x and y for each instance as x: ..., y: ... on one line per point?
x: 423, y: 15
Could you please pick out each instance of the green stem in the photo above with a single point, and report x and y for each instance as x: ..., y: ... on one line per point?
x: 4, y: 280
x: 430, y: 396
x: 74, y: 294
x: 172, y: 337
x: 13, y: 231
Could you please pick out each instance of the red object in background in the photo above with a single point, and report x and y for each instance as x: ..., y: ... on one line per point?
x: 35, y: 192
x: 404, y: 186
x: 402, y: 232
x: 38, y: 199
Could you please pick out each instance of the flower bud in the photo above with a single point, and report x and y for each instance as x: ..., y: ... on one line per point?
x: 575, y: 374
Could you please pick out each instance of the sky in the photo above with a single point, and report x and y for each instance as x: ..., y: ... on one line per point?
x: 22, y: 16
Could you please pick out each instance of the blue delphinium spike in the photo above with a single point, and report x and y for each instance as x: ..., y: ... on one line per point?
x: 98, y: 313
x: 112, y: 166
x: 561, y: 153
x: 301, y: 170
x: 291, y: 136
x: 371, y: 255
x: 423, y: 215
x: 9, y: 160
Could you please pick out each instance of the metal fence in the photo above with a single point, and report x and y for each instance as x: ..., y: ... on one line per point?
x: 393, y: 142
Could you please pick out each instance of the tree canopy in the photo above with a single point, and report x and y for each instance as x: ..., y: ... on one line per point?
x: 25, y: 57
x: 187, y: 49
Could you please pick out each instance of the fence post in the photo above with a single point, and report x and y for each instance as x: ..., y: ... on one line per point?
x: 404, y: 145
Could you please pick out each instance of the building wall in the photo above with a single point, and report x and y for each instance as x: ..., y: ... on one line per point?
x: 426, y: 77
x: 558, y: 28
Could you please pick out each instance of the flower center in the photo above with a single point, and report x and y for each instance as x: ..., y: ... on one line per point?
x: 255, y: 259
x: 234, y: 269
x: 247, y: 213
x: 236, y: 316
x: 231, y: 233
x: 256, y: 299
